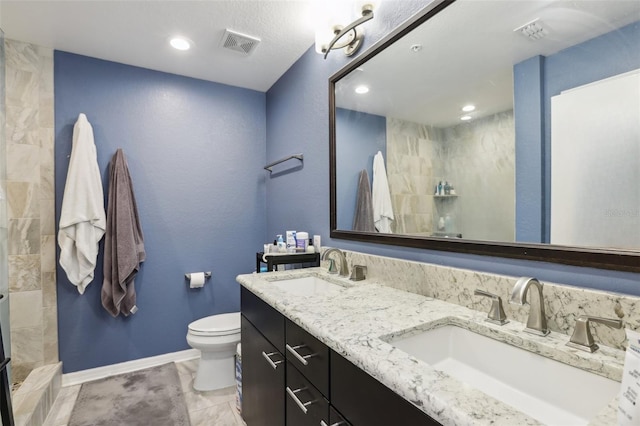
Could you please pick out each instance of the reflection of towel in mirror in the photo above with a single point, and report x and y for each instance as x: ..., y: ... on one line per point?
x: 82, y: 219
x: 363, y: 217
x: 123, y: 244
x: 382, y: 207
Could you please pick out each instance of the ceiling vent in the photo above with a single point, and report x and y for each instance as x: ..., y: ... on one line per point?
x: 239, y: 42
x: 532, y: 30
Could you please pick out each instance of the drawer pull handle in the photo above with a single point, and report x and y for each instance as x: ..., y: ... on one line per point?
x: 301, y: 358
x: 267, y: 356
x: 322, y: 423
x: 302, y: 405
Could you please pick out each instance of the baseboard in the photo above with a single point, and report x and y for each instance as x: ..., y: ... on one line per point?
x: 82, y: 376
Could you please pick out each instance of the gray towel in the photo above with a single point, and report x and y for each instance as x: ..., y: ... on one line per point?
x: 363, y: 217
x: 123, y: 244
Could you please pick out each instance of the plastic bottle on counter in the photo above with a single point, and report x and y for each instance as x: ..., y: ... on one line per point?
x: 302, y: 241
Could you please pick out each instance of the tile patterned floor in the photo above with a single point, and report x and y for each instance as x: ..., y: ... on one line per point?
x: 214, y: 408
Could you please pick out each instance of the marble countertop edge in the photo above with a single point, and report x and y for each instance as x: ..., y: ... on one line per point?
x: 360, y: 331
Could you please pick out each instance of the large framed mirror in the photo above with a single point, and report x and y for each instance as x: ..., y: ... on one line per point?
x: 504, y: 128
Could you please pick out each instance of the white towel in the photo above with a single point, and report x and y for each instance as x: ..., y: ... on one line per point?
x: 381, y: 198
x: 82, y: 219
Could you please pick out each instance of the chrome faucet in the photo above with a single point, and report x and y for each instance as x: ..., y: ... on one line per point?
x: 537, y: 322
x: 344, y: 268
x: 582, y: 338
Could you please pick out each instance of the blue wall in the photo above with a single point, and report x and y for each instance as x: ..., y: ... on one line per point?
x: 365, y: 135
x: 195, y: 150
x: 297, y: 120
x: 536, y: 81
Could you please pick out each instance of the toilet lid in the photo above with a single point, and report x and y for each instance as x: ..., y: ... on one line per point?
x: 217, y: 325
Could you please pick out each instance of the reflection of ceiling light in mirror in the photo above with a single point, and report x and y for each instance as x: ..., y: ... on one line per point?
x: 416, y: 48
x: 468, y: 108
x: 180, y: 43
x: 361, y: 90
x: 465, y: 118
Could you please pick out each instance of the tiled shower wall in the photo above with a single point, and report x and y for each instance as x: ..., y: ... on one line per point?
x: 477, y: 157
x: 31, y: 214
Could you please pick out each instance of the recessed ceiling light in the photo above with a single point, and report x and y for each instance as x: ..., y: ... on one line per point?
x: 468, y: 108
x: 415, y: 48
x: 465, y: 118
x: 180, y: 43
x: 361, y: 90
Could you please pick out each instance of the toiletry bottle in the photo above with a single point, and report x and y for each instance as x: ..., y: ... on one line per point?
x: 447, y: 188
x: 440, y: 188
x: 282, y: 248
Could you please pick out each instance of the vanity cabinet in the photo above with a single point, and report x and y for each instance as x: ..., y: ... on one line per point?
x: 289, y: 377
x: 263, y: 362
x: 365, y: 401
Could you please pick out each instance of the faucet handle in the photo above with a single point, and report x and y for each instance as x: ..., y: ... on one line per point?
x: 358, y: 273
x: 582, y: 338
x: 496, y: 314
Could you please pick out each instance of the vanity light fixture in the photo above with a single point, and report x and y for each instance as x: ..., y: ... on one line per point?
x: 180, y: 43
x: 465, y: 118
x: 350, y: 37
x: 361, y: 90
x: 468, y: 108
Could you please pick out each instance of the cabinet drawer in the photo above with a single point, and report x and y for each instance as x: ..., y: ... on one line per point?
x: 305, y: 405
x: 263, y: 378
x: 335, y: 418
x: 364, y: 401
x: 265, y: 318
x: 309, y: 355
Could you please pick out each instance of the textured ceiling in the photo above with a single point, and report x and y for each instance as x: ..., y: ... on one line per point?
x: 137, y: 33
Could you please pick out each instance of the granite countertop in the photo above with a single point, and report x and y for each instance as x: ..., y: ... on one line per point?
x: 357, y: 322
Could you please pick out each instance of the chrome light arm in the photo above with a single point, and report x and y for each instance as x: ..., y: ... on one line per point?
x: 354, y: 43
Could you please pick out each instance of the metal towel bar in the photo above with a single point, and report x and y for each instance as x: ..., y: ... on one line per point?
x: 296, y: 156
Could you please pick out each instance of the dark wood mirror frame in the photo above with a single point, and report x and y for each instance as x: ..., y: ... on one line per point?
x: 622, y: 260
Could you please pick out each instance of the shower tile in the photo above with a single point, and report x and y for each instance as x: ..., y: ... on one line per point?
x: 49, y: 289
x: 21, y: 88
x: 24, y: 236
x: 22, y: 200
x: 47, y: 165
x: 60, y: 413
x: 23, y: 163
x: 47, y: 217
x: 22, y: 56
x: 26, y: 313
x: 48, y: 253
x: 45, y: 118
x: 24, y: 273
x: 50, y: 335
x: 22, y: 125
x: 26, y: 349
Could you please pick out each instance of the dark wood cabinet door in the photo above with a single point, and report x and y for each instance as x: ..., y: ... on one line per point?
x: 305, y: 404
x: 309, y: 355
x: 364, y: 401
x: 265, y: 318
x: 263, y: 379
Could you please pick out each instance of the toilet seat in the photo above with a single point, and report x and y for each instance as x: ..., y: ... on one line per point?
x: 216, y: 325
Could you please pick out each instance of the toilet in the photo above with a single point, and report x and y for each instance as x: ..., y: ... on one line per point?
x: 216, y: 337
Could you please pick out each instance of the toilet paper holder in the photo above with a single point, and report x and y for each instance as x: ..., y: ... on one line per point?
x: 207, y: 275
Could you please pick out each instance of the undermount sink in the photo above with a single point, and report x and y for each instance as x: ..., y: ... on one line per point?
x: 549, y: 391
x: 308, y: 286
